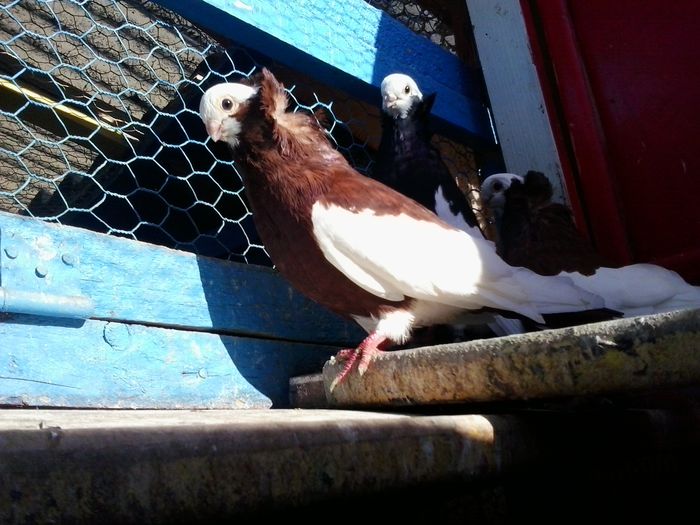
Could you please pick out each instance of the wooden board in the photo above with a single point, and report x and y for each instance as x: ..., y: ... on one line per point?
x: 101, y: 364
x: 137, y: 282
x: 517, y: 102
x: 289, y: 466
x: 352, y: 46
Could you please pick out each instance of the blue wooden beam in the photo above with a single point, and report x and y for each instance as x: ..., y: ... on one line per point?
x: 350, y: 45
x: 125, y: 280
x: 99, y: 364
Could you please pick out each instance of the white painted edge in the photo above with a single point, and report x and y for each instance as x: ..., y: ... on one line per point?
x: 519, y: 111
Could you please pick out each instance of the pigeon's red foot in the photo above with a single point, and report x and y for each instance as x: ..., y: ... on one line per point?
x: 372, y: 345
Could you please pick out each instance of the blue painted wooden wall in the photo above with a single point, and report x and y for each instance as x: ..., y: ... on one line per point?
x: 350, y: 45
x: 69, y: 363
x: 89, y: 320
x: 162, y: 328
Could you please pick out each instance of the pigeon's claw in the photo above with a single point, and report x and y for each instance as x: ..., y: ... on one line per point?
x: 372, y: 345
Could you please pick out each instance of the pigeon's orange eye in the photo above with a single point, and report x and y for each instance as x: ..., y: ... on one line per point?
x: 226, y: 104
x: 407, y: 89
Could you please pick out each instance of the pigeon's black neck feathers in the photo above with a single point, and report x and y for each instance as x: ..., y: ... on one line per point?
x: 407, y: 138
x: 408, y: 162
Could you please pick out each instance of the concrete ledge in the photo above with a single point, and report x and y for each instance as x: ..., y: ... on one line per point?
x: 626, y: 355
x: 211, y: 466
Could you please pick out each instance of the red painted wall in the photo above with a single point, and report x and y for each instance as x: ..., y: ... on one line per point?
x: 622, y: 80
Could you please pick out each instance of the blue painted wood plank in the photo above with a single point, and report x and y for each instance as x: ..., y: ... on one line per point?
x: 350, y: 45
x: 136, y: 282
x: 102, y: 364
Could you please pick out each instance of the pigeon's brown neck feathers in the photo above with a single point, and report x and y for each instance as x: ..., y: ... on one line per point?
x: 541, y: 235
x: 279, y: 144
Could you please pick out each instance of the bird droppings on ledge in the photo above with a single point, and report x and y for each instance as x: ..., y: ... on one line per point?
x: 628, y: 355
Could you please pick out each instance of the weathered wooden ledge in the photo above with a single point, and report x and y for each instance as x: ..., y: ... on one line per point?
x: 211, y: 466
x: 125, y: 466
x: 628, y: 355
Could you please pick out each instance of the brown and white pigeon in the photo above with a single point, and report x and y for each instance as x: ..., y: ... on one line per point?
x: 534, y: 231
x: 357, y: 246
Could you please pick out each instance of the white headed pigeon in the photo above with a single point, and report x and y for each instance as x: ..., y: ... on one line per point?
x: 541, y: 235
x: 492, y: 195
x: 358, y: 247
x: 532, y: 230
x: 408, y: 162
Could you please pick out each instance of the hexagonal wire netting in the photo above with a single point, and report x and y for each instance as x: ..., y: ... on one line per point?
x: 99, y: 125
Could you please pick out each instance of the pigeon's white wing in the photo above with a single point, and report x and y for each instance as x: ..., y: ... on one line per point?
x: 403, y: 256
x: 357, y: 274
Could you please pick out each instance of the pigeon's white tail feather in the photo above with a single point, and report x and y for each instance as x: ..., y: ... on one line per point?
x: 533, y: 295
x: 640, y: 289
x: 503, y: 326
x: 555, y: 294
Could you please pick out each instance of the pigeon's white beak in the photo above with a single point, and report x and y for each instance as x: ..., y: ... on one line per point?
x: 214, y: 129
x: 390, y: 100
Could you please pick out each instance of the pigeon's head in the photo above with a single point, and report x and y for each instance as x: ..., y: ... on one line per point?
x: 493, y: 191
x: 222, y: 108
x: 399, y: 93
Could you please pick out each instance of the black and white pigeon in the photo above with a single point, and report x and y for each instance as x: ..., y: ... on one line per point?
x: 408, y: 162
x: 355, y: 245
x: 541, y: 235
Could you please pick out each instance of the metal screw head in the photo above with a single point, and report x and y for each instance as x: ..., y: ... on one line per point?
x: 11, y: 252
x: 41, y: 271
x: 68, y: 259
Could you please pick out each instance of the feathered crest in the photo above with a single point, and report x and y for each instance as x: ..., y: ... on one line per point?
x: 297, y: 133
x: 425, y: 106
x: 273, y: 98
x: 533, y: 192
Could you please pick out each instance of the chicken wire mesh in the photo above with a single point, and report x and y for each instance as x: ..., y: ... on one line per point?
x: 420, y: 20
x: 99, y: 125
